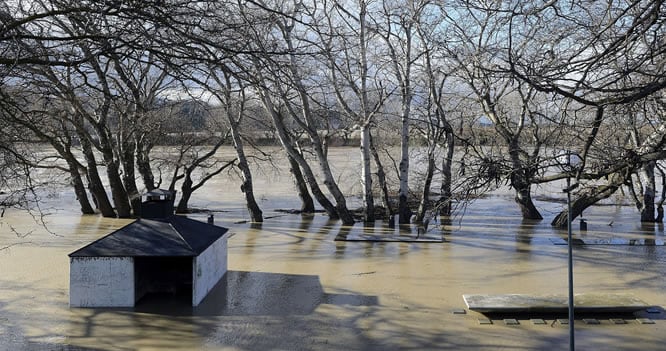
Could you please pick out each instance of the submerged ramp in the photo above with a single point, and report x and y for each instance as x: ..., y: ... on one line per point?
x: 554, y: 304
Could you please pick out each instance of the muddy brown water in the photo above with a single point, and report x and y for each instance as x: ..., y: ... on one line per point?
x: 290, y: 286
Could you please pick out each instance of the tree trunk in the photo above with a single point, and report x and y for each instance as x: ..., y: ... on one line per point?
x: 62, y: 145
x: 648, y: 182
x: 129, y: 177
x: 425, y: 192
x: 289, y: 147
x: 106, y: 145
x: 95, y: 182
x: 340, y: 202
x: 310, y: 126
x: 118, y: 191
x: 366, y: 176
x: 520, y: 182
x: 143, y: 166
x: 247, y: 188
x: 403, y: 200
x: 445, y: 207
x: 307, y: 203
x: 74, y: 168
x: 79, y: 187
x: 589, y: 198
x: 318, y: 194
x: 660, y: 203
x: 186, y: 193
x: 381, y: 178
x: 524, y: 200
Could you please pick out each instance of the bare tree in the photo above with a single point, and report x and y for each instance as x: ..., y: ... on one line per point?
x: 234, y: 110
x: 279, y: 82
x: 349, y: 44
x: 438, y: 129
x: 402, y: 20
x: 601, y: 56
x: 27, y: 119
x: 294, y: 153
x: 506, y: 103
x: 198, y: 138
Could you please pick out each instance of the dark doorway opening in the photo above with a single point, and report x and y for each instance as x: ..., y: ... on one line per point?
x: 163, y: 278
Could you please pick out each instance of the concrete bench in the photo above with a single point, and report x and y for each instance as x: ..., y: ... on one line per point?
x: 554, y: 304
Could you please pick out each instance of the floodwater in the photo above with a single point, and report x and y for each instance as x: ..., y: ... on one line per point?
x: 290, y: 286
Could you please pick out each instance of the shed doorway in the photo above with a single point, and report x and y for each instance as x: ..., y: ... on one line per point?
x: 159, y: 278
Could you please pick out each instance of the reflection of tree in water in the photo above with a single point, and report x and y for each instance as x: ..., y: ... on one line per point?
x: 251, y: 238
x: 524, y: 234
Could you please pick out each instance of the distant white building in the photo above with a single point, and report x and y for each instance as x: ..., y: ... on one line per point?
x: 157, y: 253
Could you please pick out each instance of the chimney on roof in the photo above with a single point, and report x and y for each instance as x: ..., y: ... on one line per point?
x: 157, y: 203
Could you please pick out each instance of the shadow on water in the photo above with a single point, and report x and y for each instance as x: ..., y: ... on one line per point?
x: 242, y: 293
x: 45, y: 346
x: 524, y: 235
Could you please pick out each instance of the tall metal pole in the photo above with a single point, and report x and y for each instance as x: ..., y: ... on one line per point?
x: 572, y: 345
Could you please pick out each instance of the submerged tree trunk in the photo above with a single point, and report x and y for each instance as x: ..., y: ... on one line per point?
x: 118, y: 191
x: 445, y: 207
x: 188, y: 187
x: 329, y: 181
x: 309, y: 125
x: 74, y: 167
x: 291, y: 150
x: 398, y: 36
x: 129, y: 176
x: 79, y: 186
x: 95, y: 182
x: 381, y: 178
x: 256, y: 215
x: 307, y: 203
x: 366, y: 176
x: 521, y: 175
x: 524, y: 200
x: 590, y: 197
x: 649, y: 190
x: 186, y: 191
x: 143, y: 165
x: 404, y: 211
x: 425, y: 192
x: 317, y: 193
x: 660, y: 203
x: 651, y: 149
x: 311, y: 180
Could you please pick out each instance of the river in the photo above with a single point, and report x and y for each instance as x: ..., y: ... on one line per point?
x: 291, y: 286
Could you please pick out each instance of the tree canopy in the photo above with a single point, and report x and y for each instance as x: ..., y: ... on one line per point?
x: 486, y: 93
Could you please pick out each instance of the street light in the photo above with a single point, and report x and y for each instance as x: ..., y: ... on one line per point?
x: 569, y: 164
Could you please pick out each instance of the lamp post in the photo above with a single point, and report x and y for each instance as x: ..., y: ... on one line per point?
x: 572, y: 161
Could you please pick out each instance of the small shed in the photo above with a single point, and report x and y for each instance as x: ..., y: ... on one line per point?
x: 158, y: 253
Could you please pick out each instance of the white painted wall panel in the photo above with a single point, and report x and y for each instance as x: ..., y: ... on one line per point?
x: 101, y: 282
x: 208, y: 269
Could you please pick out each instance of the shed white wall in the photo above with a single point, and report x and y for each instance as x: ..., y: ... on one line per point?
x: 101, y: 282
x: 208, y: 268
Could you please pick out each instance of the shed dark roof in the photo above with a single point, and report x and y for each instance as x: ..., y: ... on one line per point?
x: 171, y: 236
